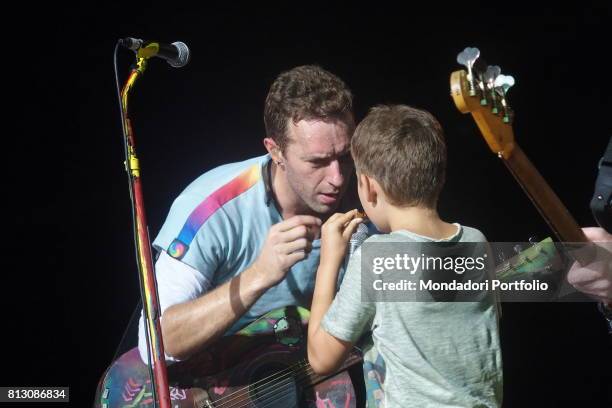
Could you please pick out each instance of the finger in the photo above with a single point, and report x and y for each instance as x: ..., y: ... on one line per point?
x: 343, y: 219
x: 351, y: 228
x: 295, y: 257
x: 349, y: 215
x: 599, y: 290
x: 301, y: 244
x: 593, y: 280
x: 299, y: 231
x: 596, y: 234
x: 296, y: 220
x: 584, y: 275
x: 602, y: 288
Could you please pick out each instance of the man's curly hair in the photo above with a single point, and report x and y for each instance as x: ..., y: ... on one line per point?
x: 305, y: 92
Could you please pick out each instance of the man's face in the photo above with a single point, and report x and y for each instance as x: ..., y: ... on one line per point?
x: 318, y: 163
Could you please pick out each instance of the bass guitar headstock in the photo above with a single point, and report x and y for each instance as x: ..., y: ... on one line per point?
x: 482, y: 90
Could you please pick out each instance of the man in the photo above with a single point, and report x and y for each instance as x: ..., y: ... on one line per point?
x: 241, y: 239
x: 595, y: 279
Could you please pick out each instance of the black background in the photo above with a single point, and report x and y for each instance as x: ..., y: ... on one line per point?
x: 71, y: 281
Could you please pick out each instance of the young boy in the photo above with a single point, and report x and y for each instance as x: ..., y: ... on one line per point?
x: 434, y: 354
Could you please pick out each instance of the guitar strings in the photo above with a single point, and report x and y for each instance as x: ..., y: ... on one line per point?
x: 276, y: 394
x: 278, y: 374
x: 273, y: 397
x: 271, y: 378
x: 279, y: 395
x: 271, y: 386
x: 283, y: 394
x: 304, y: 369
x: 269, y: 395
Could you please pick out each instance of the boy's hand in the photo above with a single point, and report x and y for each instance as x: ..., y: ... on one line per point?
x: 335, y: 236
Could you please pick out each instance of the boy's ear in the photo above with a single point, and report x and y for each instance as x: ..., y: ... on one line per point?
x: 273, y: 149
x: 369, y: 186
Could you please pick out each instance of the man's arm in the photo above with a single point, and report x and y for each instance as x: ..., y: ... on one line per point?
x: 190, y: 326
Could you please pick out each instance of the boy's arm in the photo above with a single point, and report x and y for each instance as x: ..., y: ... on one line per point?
x: 326, y: 352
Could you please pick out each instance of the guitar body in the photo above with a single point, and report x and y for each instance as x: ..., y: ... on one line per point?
x: 263, y: 365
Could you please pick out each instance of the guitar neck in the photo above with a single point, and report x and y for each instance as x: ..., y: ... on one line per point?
x: 545, y: 200
x: 482, y: 91
x: 543, y: 197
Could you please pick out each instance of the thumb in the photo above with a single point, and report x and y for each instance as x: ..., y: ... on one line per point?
x: 351, y: 228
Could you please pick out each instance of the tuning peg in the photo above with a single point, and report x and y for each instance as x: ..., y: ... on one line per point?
x: 484, y: 100
x: 492, y: 72
x: 504, y: 82
x: 478, y: 71
x: 467, y: 58
x: 501, y: 85
x: 508, y: 114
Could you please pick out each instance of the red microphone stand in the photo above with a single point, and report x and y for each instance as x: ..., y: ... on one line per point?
x: 146, y: 273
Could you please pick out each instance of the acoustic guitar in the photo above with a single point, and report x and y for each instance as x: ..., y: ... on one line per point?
x: 263, y: 365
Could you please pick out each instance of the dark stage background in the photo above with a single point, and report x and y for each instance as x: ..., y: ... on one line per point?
x: 72, y: 299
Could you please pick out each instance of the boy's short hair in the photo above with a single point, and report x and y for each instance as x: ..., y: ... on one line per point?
x: 403, y: 149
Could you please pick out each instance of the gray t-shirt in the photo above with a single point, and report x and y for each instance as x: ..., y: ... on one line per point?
x: 431, y: 354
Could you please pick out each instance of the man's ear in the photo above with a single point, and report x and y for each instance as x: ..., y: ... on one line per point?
x: 274, y: 150
x: 369, y: 186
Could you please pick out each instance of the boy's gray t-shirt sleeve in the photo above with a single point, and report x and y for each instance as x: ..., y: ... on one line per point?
x: 349, y: 316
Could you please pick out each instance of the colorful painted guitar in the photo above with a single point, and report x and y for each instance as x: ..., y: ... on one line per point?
x: 263, y: 365
x: 482, y: 91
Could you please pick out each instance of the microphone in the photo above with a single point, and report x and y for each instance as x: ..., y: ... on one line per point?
x: 360, y: 235
x: 175, y: 54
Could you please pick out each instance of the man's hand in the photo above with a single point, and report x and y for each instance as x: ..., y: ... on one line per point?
x: 287, y: 243
x: 335, y: 236
x: 193, y: 325
x: 595, y: 279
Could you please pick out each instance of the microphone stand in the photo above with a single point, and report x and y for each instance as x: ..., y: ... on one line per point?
x: 146, y: 273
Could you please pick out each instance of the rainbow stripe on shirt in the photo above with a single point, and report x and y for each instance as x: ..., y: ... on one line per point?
x: 178, y: 248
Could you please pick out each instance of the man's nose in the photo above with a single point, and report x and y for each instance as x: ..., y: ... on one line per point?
x: 334, y: 174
